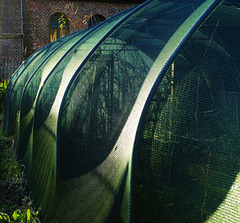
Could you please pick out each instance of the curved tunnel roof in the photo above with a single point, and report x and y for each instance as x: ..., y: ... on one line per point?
x: 130, y: 114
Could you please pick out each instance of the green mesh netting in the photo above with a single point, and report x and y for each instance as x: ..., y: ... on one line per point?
x: 134, y: 119
x: 187, y: 158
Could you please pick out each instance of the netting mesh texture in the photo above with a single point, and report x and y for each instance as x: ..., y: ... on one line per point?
x: 188, y: 160
x: 135, y: 119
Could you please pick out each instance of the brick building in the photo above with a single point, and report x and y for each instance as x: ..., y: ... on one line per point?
x: 27, y: 25
x: 11, y: 36
x: 41, y: 15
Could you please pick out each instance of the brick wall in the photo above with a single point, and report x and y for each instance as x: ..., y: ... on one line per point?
x: 40, y: 11
x: 11, y: 36
x: 10, y: 13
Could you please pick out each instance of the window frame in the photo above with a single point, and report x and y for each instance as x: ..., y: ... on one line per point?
x: 55, y: 32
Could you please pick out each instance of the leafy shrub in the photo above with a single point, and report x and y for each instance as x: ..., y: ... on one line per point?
x: 3, y: 87
x: 15, y: 205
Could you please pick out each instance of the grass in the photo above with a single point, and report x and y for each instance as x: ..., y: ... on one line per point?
x: 15, y: 204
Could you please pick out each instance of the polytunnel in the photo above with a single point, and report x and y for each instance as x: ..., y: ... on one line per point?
x: 135, y: 119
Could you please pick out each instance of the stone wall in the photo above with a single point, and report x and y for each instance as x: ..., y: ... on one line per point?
x: 40, y: 11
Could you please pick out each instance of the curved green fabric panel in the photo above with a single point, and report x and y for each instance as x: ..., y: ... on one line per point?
x: 21, y: 77
x: 126, y: 121
x: 10, y: 85
x: 30, y: 93
x: 101, y: 106
x: 186, y: 159
x: 46, y: 114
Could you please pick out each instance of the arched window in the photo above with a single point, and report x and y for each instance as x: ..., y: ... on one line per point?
x: 95, y: 19
x: 58, y: 26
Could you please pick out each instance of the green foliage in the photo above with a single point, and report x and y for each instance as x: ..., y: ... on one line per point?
x: 62, y: 22
x: 4, y: 217
x: 25, y: 216
x: 15, y: 205
x: 3, y: 86
x: 19, y: 216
